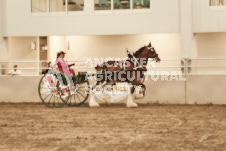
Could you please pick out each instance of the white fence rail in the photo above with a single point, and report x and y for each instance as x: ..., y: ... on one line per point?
x: 200, y: 86
x: 195, y: 66
x: 207, y: 66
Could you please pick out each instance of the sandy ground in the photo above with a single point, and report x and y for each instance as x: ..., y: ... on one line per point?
x: 115, y: 127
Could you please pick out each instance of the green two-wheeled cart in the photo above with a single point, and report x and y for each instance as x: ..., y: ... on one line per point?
x: 55, y: 92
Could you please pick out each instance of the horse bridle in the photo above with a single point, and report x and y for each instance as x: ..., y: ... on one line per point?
x: 133, y: 58
x: 152, y: 50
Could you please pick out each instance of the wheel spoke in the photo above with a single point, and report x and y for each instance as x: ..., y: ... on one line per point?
x: 57, y: 99
x: 78, y: 98
x: 81, y: 90
x: 82, y: 86
x: 49, y: 95
x: 69, y: 100
x: 81, y: 94
x: 50, y: 99
x: 54, y: 100
x: 75, y: 99
x: 46, y: 97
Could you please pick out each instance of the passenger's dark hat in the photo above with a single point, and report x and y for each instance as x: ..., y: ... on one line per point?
x: 59, y: 53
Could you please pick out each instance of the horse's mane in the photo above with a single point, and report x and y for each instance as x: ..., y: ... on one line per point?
x: 139, y: 51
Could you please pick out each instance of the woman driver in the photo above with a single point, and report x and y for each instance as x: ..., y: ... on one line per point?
x: 63, y: 66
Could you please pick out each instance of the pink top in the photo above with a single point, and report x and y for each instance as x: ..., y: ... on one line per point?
x: 63, y: 67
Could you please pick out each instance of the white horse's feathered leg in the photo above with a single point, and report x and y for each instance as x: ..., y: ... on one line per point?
x: 92, y: 101
x: 139, y: 93
x: 130, y: 102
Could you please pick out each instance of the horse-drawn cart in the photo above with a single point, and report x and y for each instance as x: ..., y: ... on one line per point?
x: 55, y: 92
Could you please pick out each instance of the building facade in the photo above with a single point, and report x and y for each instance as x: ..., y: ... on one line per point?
x: 104, y: 28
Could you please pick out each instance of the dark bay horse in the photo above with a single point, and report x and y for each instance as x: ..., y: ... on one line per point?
x: 131, y: 71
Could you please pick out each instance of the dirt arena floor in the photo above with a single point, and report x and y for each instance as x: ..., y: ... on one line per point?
x: 148, y: 127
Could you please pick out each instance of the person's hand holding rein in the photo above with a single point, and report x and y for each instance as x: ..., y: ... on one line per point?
x: 71, y: 65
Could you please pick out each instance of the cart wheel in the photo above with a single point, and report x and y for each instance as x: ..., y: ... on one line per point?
x: 49, y: 91
x: 81, y: 94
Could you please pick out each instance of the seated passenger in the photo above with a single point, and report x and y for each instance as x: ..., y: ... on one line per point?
x: 63, y: 66
x: 15, y: 71
x: 46, y: 70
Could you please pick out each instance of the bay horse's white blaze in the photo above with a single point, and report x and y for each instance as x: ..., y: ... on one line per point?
x: 130, y: 102
x: 92, y: 101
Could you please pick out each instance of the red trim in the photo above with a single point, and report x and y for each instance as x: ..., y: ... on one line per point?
x: 143, y: 53
x: 131, y: 66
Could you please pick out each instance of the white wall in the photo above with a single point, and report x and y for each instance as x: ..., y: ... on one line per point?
x: 82, y: 47
x: 19, y: 49
x: 56, y: 44
x: 163, y: 18
x: 3, y: 42
x: 1, y: 25
x: 186, y: 28
x: 19, y: 89
x: 1, y: 31
x: 3, y: 51
x: 205, y: 89
x: 210, y: 45
x: 114, y: 46
x: 208, y: 19
x: 1, y: 19
x: 25, y: 89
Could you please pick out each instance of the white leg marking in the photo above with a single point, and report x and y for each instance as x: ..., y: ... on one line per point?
x: 130, y: 102
x: 92, y: 101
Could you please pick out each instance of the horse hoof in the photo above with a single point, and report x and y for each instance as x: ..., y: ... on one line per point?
x: 108, y: 102
x: 94, y: 105
x: 132, y: 105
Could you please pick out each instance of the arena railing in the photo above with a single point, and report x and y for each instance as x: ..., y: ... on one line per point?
x: 34, y: 68
x: 210, y: 66
x: 192, y: 66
